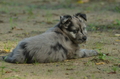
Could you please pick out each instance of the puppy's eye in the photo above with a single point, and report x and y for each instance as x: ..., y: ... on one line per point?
x: 75, y: 31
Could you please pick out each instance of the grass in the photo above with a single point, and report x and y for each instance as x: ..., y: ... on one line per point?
x: 98, y: 27
x: 49, y: 71
x: 117, y: 9
x: 102, y: 56
x: 4, y: 10
x: 9, y: 3
x: 115, y: 68
x: 8, y: 46
x: 12, y: 23
x: 92, y: 27
x: 30, y: 12
x: 15, y: 70
x: 98, y: 45
x: 14, y: 77
x: 9, y: 7
x: 2, y: 67
x: 117, y: 22
x: 3, y: 72
x: 48, y: 17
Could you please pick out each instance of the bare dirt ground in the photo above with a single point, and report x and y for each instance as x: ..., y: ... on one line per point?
x: 24, y: 18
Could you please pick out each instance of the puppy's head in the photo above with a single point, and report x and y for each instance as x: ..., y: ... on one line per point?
x: 74, y: 27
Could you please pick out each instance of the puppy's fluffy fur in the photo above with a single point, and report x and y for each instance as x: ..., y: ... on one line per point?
x: 56, y: 44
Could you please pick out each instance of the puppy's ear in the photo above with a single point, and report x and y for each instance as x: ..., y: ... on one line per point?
x: 65, y: 19
x: 82, y: 15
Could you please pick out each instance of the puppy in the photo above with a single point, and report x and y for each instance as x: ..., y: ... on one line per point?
x: 59, y: 43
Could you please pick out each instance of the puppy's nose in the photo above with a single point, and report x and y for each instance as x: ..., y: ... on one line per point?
x: 84, y: 38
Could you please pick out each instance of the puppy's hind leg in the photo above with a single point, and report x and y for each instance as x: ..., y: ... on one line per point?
x: 8, y: 59
x: 15, y: 57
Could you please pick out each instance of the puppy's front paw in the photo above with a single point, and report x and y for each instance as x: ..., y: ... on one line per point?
x: 94, y: 52
x: 87, y: 53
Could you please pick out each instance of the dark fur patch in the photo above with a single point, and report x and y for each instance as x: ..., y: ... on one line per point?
x: 82, y: 15
x: 67, y: 16
x: 49, y: 53
x: 54, y: 48
x: 66, y: 38
x: 23, y: 45
x: 28, y: 57
x: 69, y: 27
x: 63, y: 56
x: 84, y: 55
x: 58, y: 47
x: 24, y: 53
x: 58, y: 32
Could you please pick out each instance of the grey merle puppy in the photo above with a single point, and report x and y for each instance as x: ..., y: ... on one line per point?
x: 59, y: 43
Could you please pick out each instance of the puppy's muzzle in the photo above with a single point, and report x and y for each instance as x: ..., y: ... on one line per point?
x: 84, y: 38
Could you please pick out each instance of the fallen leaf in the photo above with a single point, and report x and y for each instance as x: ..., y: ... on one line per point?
x: 107, y: 54
x: 50, y: 70
x: 14, y: 28
x: 100, y: 63
x: 4, y: 51
x: 117, y: 40
x: 117, y: 35
x: 82, y: 1
x: 66, y: 74
x: 95, y: 72
x: 117, y: 64
x: 112, y: 73
x: 69, y: 69
x: 9, y: 31
x: 8, y: 71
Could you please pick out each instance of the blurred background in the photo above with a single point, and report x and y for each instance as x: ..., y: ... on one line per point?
x: 101, y: 13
